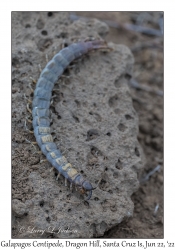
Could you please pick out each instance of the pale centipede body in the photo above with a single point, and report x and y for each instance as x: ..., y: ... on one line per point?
x: 40, y: 110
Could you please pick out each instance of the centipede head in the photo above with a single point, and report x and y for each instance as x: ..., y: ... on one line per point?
x: 83, y: 186
x: 86, y: 187
x: 83, y: 191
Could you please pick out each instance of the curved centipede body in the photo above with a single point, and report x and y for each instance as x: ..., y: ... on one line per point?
x: 40, y: 110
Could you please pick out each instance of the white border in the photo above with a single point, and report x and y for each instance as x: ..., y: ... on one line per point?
x: 5, y: 98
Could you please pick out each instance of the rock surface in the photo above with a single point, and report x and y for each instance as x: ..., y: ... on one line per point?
x: 95, y: 126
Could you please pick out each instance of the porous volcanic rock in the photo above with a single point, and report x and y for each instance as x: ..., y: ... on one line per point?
x: 94, y: 123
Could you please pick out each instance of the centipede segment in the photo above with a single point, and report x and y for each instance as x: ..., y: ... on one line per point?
x: 40, y: 110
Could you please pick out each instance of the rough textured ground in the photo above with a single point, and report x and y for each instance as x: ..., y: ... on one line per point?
x: 148, y: 71
x: 94, y: 125
x: 91, y: 122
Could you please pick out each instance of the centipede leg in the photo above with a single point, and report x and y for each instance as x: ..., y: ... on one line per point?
x: 28, y: 120
x: 99, y: 181
x: 27, y: 99
x: 51, y: 169
x: 32, y: 142
x: 100, y: 178
x: 38, y: 152
x: 46, y: 58
x: 33, y: 80
x: 45, y: 160
x: 25, y: 125
x: 63, y: 44
x: 64, y: 76
x: 54, y: 50
x: 30, y: 111
x: 30, y: 87
x: 77, y: 203
x: 51, y: 102
x: 58, y: 176
x: 39, y: 67
x: 65, y: 182
x: 87, y: 39
x: 91, y: 38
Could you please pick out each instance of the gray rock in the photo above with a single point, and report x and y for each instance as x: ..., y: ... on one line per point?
x: 95, y: 124
x: 18, y: 208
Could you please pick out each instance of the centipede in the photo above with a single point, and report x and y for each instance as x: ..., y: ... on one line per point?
x: 41, y: 113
